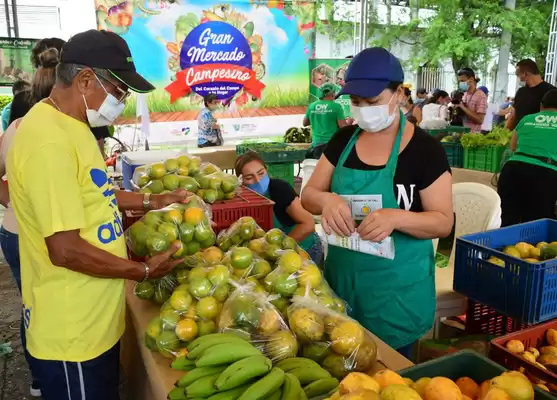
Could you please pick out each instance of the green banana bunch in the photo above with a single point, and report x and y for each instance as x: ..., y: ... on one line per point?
x: 242, y: 371
x: 291, y: 389
x: 309, y: 375
x: 226, y: 353
x: 199, y: 345
x: 265, y: 387
x: 203, y: 387
x: 289, y: 364
x: 231, y: 394
x: 183, y: 364
x: 177, y: 394
x: 198, y: 373
x: 321, y: 387
x: 276, y: 395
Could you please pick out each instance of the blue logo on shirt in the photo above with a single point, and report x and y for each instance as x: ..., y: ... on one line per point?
x: 110, y: 231
x: 26, y: 316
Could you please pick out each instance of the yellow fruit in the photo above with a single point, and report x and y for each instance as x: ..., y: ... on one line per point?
x: 515, y: 346
x: 496, y: 261
x: 356, y: 380
x: 335, y: 396
x: 534, y: 351
x: 290, y: 261
x: 306, y: 325
x: 310, y: 276
x: 496, y: 394
x: 539, y: 365
x: 207, y: 308
x: 213, y: 255
x: 441, y: 388
x: 541, y: 244
x: 399, y: 392
x: 484, y: 388
x: 180, y: 300
x: 218, y: 275
x: 174, y: 216
x: 548, y: 350
x: 535, y: 252
x: 543, y: 387
x: 516, y: 385
x: 347, y: 337
x: 194, y: 216
x: 468, y: 387
x: 241, y: 258
x: 512, y: 251
x: 186, y: 330
x: 388, y: 377
x: 269, y: 322
x: 529, y: 357
x: 409, y: 382
x: 420, y: 385
x: 532, y: 260
x: 551, y: 336
x: 361, y: 395
x: 523, y: 249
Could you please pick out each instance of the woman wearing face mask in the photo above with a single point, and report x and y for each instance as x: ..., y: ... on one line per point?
x: 209, y: 133
x: 405, y: 173
x: 412, y: 112
x: 288, y: 213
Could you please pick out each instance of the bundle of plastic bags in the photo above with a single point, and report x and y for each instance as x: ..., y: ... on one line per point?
x: 332, y: 339
x: 169, y: 175
x: 249, y: 313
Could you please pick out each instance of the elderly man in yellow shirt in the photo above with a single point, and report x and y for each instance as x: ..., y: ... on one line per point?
x: 72, y: 246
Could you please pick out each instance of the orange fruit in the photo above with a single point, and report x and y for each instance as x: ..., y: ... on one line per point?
x: 186, y: 330
x: 290, y: 261
x: 194, y: 216
x: 310, y: 276
x: 468, y: 387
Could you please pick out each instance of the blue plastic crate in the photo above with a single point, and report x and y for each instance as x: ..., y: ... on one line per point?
x: 521, y: 290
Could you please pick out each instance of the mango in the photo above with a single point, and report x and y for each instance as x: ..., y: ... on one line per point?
x: 468, y: 387
x: 441, y: 388
x: 388, y: 377
x: 355, y: 381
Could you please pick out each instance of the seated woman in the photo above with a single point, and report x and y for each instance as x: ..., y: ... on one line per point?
x: 288, y: 213
x: 435, y: 112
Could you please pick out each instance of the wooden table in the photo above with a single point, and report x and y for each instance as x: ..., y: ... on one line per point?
x: 149, y: 374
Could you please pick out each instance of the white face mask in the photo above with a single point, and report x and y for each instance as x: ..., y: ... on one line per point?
x: 107, y: 113
x: 373, y: 118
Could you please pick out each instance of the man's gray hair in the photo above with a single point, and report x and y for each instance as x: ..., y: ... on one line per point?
x: 66, y: 73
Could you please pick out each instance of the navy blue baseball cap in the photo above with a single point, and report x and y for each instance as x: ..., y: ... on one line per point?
x: 370, y: 72
x: 484, y: 89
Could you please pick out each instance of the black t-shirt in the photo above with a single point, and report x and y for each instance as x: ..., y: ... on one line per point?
x: 283, y: 195
x: 419, y: 164
x: 528, y: 100
x: 101, y: 132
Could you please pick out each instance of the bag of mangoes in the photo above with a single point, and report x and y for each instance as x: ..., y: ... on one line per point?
x: 332, y: 339
x: 240, y: 233
x: 215, y: 184
x: 295, y: 275
x: 249, y: 313
x: 167, y: 176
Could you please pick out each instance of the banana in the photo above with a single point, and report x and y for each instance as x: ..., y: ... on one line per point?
x: 203, y: 387
x: 291, y: 389
x: 265, y: 386
x: 321, y: 387
x: 183, y: 364
x: 226, y: 353
x: 309, y: 375
x: 303, y: 395
x: 297, y: 362
x: 242, y: 371
x: 276, y: 395
x: 177, y: 394
x: 196, y: 374
x: 231, y: 394
x: 195, y: 350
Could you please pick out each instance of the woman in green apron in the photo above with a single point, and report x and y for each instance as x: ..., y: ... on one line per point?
x: 288, y: 213
x: 384, y: 177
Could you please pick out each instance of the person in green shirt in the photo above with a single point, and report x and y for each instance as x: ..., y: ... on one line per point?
x: 528, y: 182
x: 325, y: 116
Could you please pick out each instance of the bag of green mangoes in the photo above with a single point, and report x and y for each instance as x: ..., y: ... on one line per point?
x: 295, y: 275
x: 240, y: 233
x: 214, y: 184
x: 335, y: 341
x: 248, y: 313
x: 167, y: 176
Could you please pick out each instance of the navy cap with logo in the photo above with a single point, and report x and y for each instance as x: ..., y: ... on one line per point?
x: 105, y: 50
x: 370, y: 72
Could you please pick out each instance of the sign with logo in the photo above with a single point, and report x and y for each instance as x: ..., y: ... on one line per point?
x: 215, y: 59
x: 15, y: 60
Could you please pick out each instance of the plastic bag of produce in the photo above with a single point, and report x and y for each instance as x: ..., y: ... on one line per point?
x: 295, y: 275
x: 168, y: 175
x: 216, y: 185
x: 250, y: 314
x: 240, y: 233
x: 247, y: 265
x: 272, y: 244
x: 332, y: 339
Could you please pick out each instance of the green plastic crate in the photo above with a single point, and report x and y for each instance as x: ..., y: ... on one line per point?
x: 273, y: 152
x: 284, y: 171
x: 464, y: 363
x: 455, y: 153
x: 450, y: 129
x: 484, y: 158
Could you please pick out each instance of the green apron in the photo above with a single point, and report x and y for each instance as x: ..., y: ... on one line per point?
x: 305, y: 244
x: 394, y: 299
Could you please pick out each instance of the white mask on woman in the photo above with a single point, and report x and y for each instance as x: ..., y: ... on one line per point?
x: 373, y: 118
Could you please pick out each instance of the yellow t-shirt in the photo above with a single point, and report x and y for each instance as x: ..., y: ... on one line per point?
x: 58, y: 182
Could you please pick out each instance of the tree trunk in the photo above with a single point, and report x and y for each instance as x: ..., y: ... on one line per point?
x: 502, y: 77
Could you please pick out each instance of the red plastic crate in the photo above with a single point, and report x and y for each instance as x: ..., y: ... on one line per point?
x: 531, y: 337
x: 247, y: 203
x: 482, y: 319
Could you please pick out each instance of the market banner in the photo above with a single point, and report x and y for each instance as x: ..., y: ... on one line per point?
x: 252, y: 54
x: 15, y: 60
x: 328, y: 70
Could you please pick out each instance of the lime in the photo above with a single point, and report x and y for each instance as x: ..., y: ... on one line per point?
x: 259, y: 233
x: 180, y: 300
x: 209, y: 242
x: 197, y: 272
x: 206, y: 327
x: 221, y: 293
x: 138, y: 235
x: 162, y: 294
x: 272, y: 252
x: 143, y: 180
x: 207, y: 308
x: 246, y: 231
x: 218, y: 275
x: 200, y: 287
x: 229, y: 184
x: 145, y: 190
x: 144, y: 290
x: 154, y: 328
x: 241, y: 258
x: 229, y: 196
x: 169, y: 230
x: 183, y: 171
x: 168, y: 341
x: 261, y: 269
x: 171, y: 182
x: 286, y: 285
x: 156, y: 170
x: 215, y: 183
x: 316, y: 351
x: 189, y: 184
x: 183, y: 161
x: 202, y: 233
x: 274, y: 236
x: 310, y: 276
x: 157, y: 243
x: 152, y: 219
x: 220, y: 195
x: 155, y: 186
x: 169, y: 319
x: 203, y: 182
x: 186, y: 330
x: 174, y: 216
x: 182, y: 276
x: 290, y: 261
x: 210, y: 196
x: 171, y: 165
x: 192, y: 247
x: 281, y: 304
x: 185, y: 232
x: 289, y: 243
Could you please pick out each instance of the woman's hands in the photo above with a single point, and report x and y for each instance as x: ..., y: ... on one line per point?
x: 379, y: 224
x: 337, y: 216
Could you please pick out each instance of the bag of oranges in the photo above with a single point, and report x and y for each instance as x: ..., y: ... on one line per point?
x: 332, y: 339
x: 168, y: 175
x: 241, y: 233
x: 214, y: 184
x: 249, y: 313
